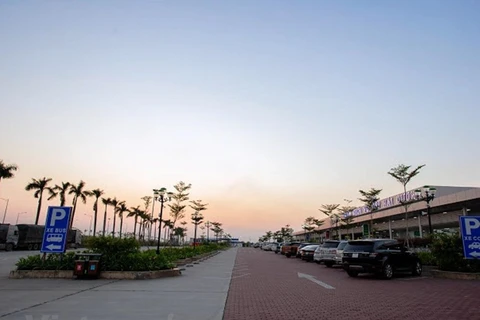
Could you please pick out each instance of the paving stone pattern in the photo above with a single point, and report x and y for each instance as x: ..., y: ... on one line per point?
x: 265, y: 285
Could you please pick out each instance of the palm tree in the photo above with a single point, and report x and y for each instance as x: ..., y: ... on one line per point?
x: 78, y: 193
x: 106, y: 202
x: 120, y: 210
x: 60, y: 190
x: 167, y: 224
x: 134, y: 212
x: 154, y: 223
x: 145, y: 222
x: 97, y: 193
x: 6, y: 170
x: 39, y: 185
x: 114, y: 203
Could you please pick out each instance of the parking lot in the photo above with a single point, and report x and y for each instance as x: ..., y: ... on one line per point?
x: 266, y: 285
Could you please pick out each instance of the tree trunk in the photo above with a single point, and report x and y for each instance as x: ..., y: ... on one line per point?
x: 104, y: 221
x: 135, y: 228
x: 121, y: 226
x: 114, y: 221
x: 95, y: 218
x: 73, y: 212
x: 406, y: 216
x: 39, y: 207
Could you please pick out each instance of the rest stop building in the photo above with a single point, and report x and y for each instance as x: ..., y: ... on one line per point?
x: 389, y: 221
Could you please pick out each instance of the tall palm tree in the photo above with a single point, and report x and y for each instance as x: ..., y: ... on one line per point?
x: 106, y: 202
x: 78, y: 192
x: 97, y: 193
x: 6, y: 170
x: 167, y: 224
x: 39, y: 185
x: 60, y: 190
x: 114, y: 202
x: 154, y: 223
x: 134, y: 212
x: 121, y: 209
x: 145, y: 218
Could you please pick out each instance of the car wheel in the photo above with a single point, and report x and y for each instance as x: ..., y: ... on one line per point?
x: 387, y: 271
x: 30, y: 247
x: 352, y: 274
x: 35, y: 246
x: 288, y: 255
x: 317, y: 262
x: 328, y: 264
x: 417, y: 269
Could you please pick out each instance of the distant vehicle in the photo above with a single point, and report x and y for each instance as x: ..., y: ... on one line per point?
x: 30, y: 236
x: 475, y: 245
x: 306, y: 253
x: 8, y: 237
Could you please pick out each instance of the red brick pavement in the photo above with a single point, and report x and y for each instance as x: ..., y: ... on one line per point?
x: 266, y: 286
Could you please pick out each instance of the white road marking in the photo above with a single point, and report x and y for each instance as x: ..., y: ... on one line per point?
x: 312, y: 278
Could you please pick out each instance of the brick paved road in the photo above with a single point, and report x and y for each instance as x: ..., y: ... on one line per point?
x: 266, y: 286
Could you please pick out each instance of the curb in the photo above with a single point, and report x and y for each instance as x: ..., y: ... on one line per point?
x: 455, y: 275
x: 117, y: 275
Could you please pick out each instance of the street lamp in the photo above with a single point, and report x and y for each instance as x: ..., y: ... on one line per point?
x: 6, y: 207
x: 90, y: 225
x: 18, y: 215
x: 162, y: 196
x: 427, y: 196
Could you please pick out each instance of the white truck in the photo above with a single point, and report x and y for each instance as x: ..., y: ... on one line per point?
x: 8, y: 237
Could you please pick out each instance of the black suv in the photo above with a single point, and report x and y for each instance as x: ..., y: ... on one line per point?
x: 380, y: 256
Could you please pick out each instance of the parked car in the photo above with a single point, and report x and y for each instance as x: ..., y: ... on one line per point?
x: 383, y: 257
x: 300, y: 247
x: 325, y: 252
x: 307, y: 252
x: 290, y: 249
x: 267, y: 246
x: 277, y: 247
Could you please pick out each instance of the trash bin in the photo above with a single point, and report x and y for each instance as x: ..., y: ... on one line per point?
x: 87, y: 265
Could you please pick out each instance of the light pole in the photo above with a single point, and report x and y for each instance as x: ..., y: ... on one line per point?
x: 427, y: 196
x: 90, y: 224
x: 6, y: 207
x: 18, y: 215
x: 207, y: 225
x: 163, y: 196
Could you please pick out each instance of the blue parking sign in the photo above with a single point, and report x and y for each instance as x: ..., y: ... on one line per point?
x: 470, y: 231
x: 56, y: 229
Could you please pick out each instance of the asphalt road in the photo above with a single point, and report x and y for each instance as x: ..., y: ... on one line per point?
x: 270, y: 286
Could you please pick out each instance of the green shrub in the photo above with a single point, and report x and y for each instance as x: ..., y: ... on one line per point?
x: 112, y: 246
x: 447, y: 250
x: 52, y: 262
x: 427, y: 258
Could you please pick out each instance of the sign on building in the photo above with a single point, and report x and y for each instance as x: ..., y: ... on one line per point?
x: 56, y: 228
x: 470, y: 231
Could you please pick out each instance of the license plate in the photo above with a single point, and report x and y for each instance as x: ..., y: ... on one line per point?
x: 354, y: 255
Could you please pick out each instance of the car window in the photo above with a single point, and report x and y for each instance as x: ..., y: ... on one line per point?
x: 330, y: 244
x: 342, y: 245
x: 359, y: 246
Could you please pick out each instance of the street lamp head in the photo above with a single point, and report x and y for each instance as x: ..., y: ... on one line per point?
x: 432, y: 191
x: 162, y: 191
x: 169, y: 196
x: 426, y: 188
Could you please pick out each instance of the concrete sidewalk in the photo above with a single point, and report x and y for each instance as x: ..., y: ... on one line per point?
x: 199, y: 293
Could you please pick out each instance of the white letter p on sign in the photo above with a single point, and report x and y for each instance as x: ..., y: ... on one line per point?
x: 57, y: 214
x: 471, y: 223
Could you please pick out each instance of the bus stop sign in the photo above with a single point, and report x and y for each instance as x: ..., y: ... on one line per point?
x: 470, y: 231
x: 56, y: 228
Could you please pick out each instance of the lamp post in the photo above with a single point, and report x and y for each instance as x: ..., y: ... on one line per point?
x: 18, y: 215
x: 6, y: 207
x: 427, y: 196
x: 162, y: 196
x: 90, y: 224
x: 207, y: 225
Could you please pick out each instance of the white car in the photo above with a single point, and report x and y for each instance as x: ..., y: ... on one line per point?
x: 475, y: 245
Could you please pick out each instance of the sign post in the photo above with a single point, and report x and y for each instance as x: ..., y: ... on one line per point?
x: 470, y: 231
x: 56, y: 229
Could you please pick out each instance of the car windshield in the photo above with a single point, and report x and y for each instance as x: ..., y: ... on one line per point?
x: 330, y: 244
x: 359, y: 246
x: 310, y: 248
x: 342, y: 245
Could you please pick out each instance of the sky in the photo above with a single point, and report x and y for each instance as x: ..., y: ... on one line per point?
x: 268, y: 108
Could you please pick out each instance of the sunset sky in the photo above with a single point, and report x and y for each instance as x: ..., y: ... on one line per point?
x: 268, y: 108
